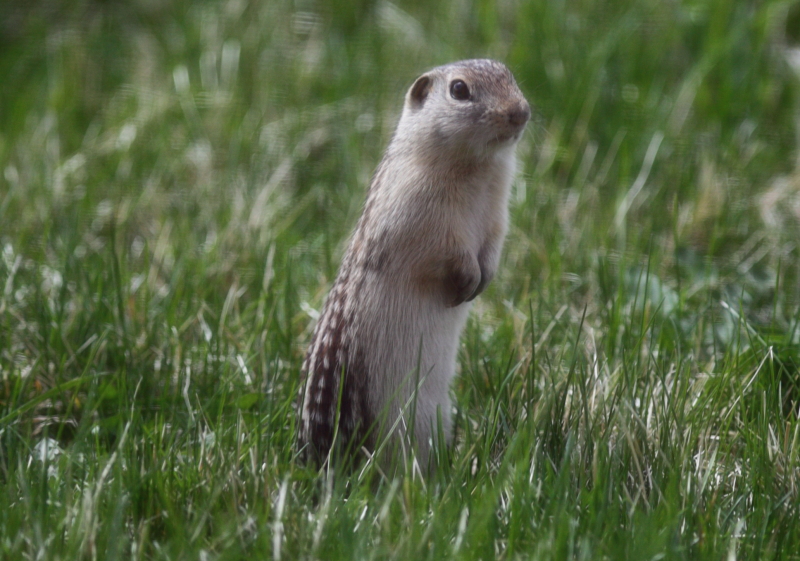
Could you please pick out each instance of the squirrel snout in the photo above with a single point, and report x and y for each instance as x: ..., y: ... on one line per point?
x: 518, y: 116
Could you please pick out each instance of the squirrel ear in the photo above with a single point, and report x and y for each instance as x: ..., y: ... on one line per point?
x: 419, y: 91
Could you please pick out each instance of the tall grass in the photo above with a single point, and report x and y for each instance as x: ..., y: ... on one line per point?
x: 178, y: 182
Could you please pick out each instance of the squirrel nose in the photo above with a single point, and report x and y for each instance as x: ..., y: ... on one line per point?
x: 520, y: 114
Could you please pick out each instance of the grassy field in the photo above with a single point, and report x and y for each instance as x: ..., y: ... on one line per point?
x: 177, y: 183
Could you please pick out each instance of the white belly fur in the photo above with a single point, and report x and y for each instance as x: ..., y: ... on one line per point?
x: 410, y: 340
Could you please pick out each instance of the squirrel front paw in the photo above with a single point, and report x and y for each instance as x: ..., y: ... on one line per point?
x: 464, y: 280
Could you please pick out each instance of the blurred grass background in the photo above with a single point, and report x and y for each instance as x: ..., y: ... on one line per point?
x: 178, y: 183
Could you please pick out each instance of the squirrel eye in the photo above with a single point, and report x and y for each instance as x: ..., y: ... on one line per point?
x: 459, y: 90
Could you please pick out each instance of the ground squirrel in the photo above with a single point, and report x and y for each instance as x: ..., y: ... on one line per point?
x: 427, y: 243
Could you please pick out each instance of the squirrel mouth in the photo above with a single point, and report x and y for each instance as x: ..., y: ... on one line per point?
x: 507, y: 137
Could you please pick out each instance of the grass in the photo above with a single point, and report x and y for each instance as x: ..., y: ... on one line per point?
x: 178, y: 183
